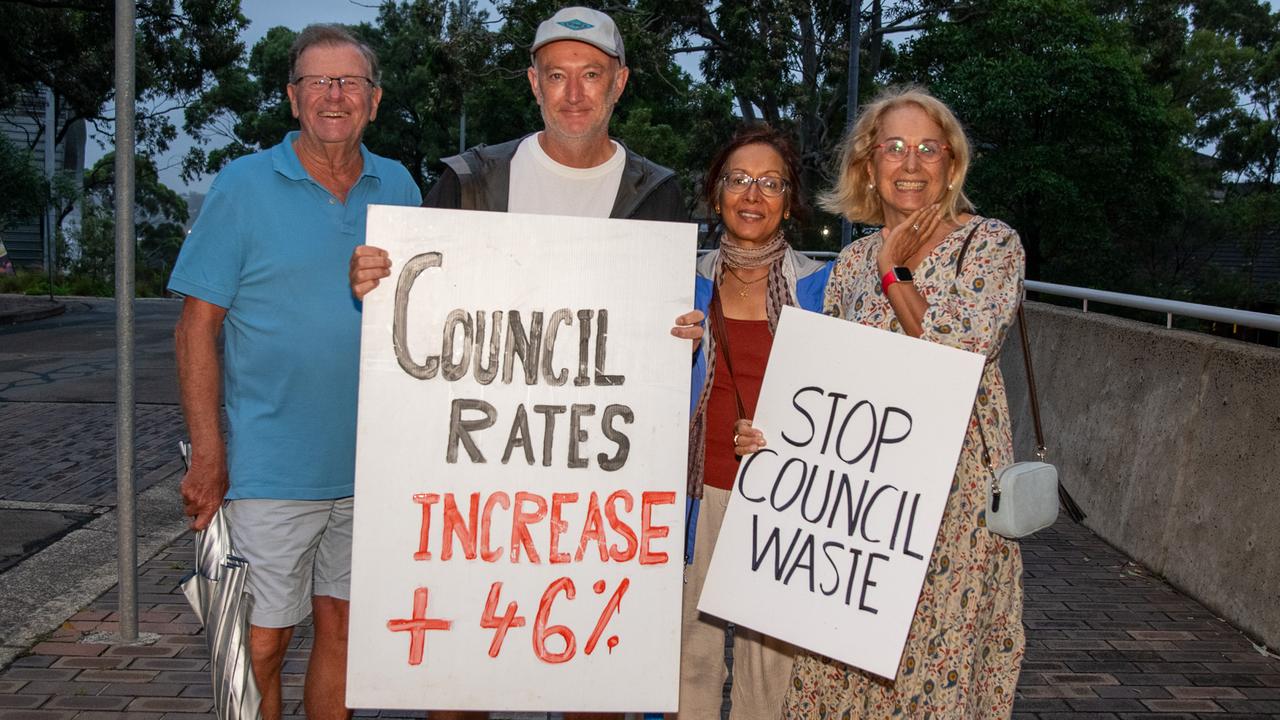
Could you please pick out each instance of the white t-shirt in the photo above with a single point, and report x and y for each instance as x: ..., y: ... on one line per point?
x: 543, y: 186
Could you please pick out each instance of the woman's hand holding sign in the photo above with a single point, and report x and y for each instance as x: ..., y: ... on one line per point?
x: 689, y: 327
x: 746, y: 439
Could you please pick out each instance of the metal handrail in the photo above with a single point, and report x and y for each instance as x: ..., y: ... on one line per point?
x: 1170, y: 308
x: 1248, y: 318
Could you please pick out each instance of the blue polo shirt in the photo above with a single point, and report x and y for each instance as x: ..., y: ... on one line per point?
x: 271, y: 246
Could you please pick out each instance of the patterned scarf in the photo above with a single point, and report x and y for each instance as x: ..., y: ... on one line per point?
x: 781, y: 291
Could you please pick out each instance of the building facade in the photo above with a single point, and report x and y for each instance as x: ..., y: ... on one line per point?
x: 23, y: 124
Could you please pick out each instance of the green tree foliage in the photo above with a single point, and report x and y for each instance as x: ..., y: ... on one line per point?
x: 423, y: 48
x: 24, y: 188
x: 1083, y: 118
x: 1237, y: 42
x: 69, y: 46
x: 437, y: 60
x: 160, y: 215
x: 245, y: 108
x: 1028, y: 78
x: 786, y: 62
x: 1246, y: 220
x: 1086, y: 115
x: 441, y: 58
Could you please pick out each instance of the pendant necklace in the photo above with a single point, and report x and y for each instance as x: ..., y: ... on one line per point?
x: 742, y: 292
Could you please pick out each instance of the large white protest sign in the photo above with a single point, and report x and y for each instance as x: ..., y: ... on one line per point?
x: 829, y: 530
x: 520, y: 466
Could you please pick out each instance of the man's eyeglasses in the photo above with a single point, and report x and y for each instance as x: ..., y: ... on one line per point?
x: 738, y: 183
x: 348, y: 84
x: 896, y: 150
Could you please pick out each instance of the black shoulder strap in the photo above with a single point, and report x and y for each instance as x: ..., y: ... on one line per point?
x: 965, y: 247
x: 1064, y: 497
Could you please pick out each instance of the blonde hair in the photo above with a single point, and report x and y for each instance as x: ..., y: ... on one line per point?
x: 854, y: 197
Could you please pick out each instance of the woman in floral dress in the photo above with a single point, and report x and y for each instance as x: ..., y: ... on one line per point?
x: 903, y: 166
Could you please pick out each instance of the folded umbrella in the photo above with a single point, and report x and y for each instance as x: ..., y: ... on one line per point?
x: 216, y: 591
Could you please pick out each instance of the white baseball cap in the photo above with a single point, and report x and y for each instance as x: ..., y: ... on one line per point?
x: 584, y: 25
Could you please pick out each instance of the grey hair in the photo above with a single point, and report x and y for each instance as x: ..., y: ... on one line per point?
x: 327, y: 34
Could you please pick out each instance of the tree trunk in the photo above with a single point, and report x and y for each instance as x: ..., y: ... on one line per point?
x: 876, y: 50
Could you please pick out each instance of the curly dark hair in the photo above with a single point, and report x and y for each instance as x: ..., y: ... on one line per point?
x: 760, y: 133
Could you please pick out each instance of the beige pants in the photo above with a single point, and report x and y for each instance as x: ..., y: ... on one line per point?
x: 761, y: 664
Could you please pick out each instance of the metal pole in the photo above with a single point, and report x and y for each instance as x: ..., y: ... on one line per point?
x: 49, y: 221
x: 126, y: 534
x: 462, y: 131
x: 855, y: 46
x: 464, y: 8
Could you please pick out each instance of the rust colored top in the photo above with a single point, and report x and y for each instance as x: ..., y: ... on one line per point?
x: 750, y: 341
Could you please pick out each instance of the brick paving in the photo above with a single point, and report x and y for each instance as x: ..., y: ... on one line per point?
x: 83, y: 471
x: 1106, y: 641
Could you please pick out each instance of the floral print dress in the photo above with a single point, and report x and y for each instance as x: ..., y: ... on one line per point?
x: 966, y: 641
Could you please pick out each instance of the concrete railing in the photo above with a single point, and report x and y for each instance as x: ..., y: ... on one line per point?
x: 1170, y: 441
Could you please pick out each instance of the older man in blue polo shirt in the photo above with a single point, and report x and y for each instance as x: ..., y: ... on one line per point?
x: 264, y: 265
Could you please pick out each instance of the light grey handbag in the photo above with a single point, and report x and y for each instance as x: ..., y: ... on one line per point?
x: 1023, y: 497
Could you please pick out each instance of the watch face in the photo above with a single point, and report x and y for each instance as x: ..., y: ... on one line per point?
x: 902, y: 274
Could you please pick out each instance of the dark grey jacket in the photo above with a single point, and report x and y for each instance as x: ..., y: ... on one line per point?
x: 480, y: 179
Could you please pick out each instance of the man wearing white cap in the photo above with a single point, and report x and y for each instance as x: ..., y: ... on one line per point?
x: 572, y: 167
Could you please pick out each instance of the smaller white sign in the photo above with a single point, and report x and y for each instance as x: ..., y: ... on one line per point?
x: 830, y: 528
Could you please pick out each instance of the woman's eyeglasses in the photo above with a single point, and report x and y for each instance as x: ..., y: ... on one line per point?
x: 738, y: 183
x: 896, y: 150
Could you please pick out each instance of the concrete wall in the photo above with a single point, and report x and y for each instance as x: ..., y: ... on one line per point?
x: 1170, y: 441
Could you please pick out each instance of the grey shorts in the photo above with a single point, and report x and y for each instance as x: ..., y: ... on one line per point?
x: 296, y: 549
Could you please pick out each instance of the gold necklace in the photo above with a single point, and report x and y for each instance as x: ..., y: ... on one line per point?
x: 742, y: 292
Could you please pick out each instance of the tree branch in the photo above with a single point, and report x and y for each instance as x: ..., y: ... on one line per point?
x: 85, y: 6
x: 880, y: 32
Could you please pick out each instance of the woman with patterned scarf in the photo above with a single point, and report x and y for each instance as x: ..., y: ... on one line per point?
x: 753, y: 184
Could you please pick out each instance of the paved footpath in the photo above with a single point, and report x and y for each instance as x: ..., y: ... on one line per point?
x: 66, y: 451
x: 1105, y: 640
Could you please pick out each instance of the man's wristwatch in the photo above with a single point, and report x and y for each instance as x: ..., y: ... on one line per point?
x: 897, y: 274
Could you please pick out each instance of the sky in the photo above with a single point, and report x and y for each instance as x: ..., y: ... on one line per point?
x: 263, y: 15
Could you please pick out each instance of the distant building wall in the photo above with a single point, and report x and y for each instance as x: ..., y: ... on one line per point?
x: 1170, y: 441
x: 21, y: 124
